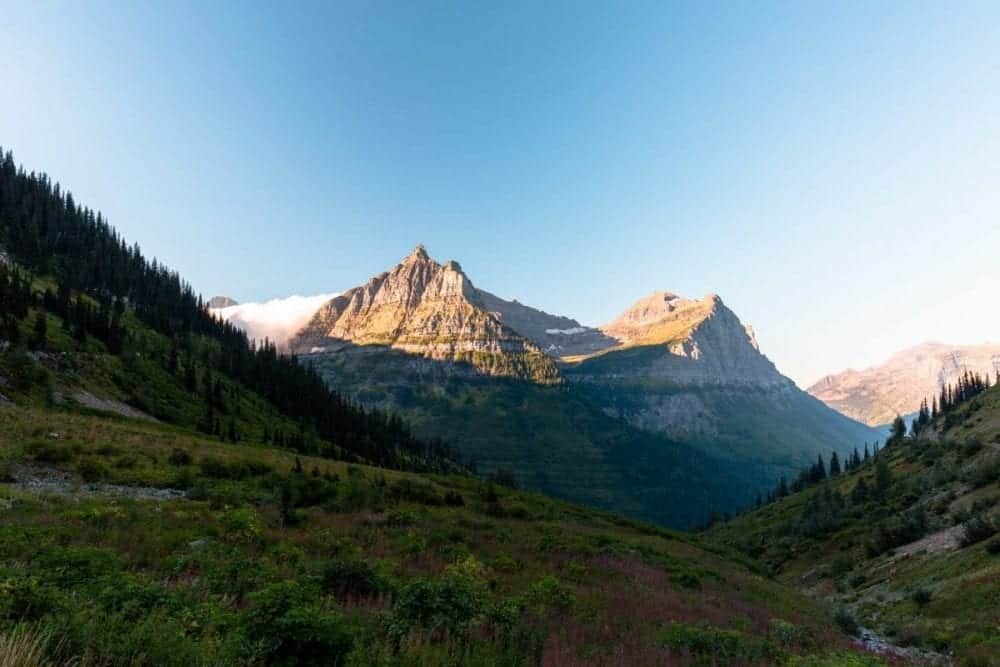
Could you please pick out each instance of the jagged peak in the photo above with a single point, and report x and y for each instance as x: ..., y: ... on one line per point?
x: 419, y: 253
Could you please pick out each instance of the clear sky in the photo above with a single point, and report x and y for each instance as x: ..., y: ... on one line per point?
x: 832, y: 171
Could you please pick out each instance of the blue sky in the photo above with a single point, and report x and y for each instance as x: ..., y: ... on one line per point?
x: 829, y: 170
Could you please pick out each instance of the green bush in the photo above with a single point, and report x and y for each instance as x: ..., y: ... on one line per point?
x: 993, y: 547
x: 345, y: 576
x: 25, y: 599
x: 44, y: 451
x: 179, y: 457
x: 977, y: 529
x: 921, y: 596
x: 444, y: 606
x: 846, y: 622
x: 91, y: 471
x: 285, y: 625
x: 549, y: 592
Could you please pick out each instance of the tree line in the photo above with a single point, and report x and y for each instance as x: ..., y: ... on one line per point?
x: 49, y: 234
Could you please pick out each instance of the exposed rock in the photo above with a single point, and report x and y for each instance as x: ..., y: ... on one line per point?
x: 38, y: 479
x: 424, y: 308
x: 88, y: 400
x: 217, y: 302
x: 876, y: 395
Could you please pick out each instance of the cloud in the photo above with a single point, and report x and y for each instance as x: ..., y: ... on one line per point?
x: 277, y: 320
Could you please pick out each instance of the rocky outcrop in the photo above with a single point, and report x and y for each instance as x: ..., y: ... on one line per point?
x: 877, y: 394
x: 218, y: 302
x: 429, y: 309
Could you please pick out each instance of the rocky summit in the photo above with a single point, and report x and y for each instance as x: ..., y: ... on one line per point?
x: 424, y: 308
x: 877, y: 394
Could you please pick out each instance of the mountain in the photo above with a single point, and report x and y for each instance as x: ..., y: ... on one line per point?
x: 678, y: 384
x: 174, y: 495
x: 905, y: 544
x: 219, y: 302
x: 877, y: 394
x: 426, y: 309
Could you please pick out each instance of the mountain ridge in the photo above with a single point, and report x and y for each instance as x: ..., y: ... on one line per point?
x: 876, y: 394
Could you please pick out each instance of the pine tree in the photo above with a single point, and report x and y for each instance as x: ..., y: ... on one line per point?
x: 834, y: 465
x: 883, y: 476
x: 897, y: 432
x: 39, y: 333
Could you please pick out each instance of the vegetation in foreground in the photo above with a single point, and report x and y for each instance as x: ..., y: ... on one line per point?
x: 275, y: 558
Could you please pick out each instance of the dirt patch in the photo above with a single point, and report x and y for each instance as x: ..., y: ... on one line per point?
x: 38, y: 479
x: 88, y: 400
x: 943, y: 540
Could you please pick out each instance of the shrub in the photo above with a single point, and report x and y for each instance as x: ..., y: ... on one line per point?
x: 548, y: 592
x: 686, y: 579
x: 213, y: 467
x: 25, y: 598
x: 345, y: 576
x: 921, y: 596
x: 454, y: 499
x: 179, y: 457
x: 240, y: 525
x: 48, y: 452
x: 993, y: 546
x: 977, y: 529
x: 845, y: 621
x: 415, y: 491
x: 986, y: 474
x: 445, y: 606
x: 286, y: 626
x: 91, y: 471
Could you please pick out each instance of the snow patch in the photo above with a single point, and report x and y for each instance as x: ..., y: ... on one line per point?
x: 566, y: 332
x: 278, y: 320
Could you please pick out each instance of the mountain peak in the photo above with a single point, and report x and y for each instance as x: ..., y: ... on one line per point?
x: 425, y: 308
x: 419, y: 253
x: 218, y: 302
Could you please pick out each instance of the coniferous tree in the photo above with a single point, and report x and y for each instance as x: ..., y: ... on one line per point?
x: 834, y: 465
x: 883, y: 476
x: 39, y: 332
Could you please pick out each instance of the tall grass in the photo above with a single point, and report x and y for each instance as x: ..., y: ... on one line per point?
x: 24, y: 646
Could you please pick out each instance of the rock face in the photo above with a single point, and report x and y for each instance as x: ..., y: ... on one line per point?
x: 685, y: 341
x: 876, y: 395
x: 218, y: 302
x: 424, y: 308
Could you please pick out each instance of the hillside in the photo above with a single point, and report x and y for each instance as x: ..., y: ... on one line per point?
x: 905, y: 543
x: 876, y: 395
x: 132, y: 542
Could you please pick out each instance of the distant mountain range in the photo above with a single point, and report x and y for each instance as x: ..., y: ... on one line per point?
x: 670, y: 399
x: 877, y: 394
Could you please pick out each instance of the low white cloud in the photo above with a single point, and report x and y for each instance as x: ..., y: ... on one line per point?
x: 277, y: 320
x: 566, y: 332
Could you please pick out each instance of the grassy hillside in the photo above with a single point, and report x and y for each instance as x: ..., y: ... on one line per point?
x: 914, y: 556
x: 270, y: 558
